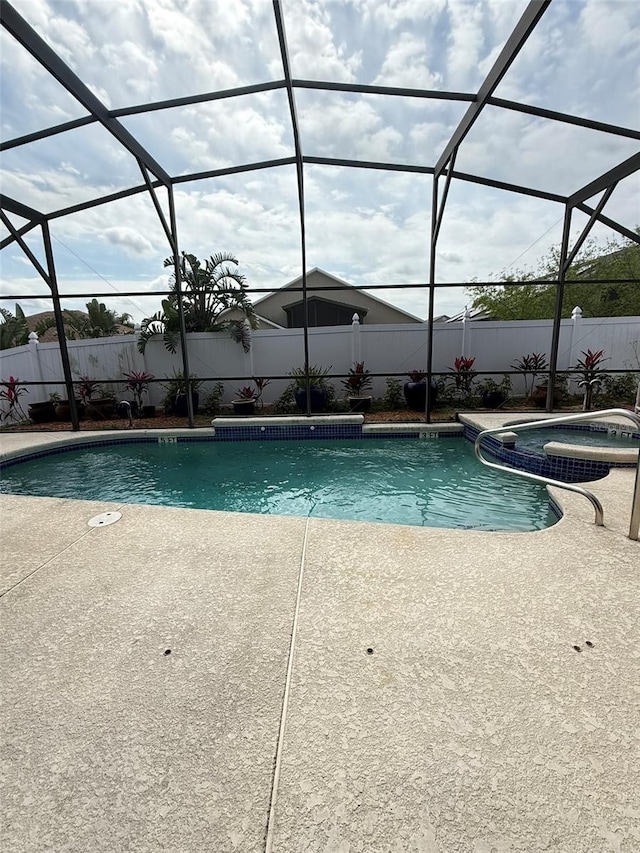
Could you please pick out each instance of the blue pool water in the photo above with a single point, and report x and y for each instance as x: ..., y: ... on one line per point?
x: 535, y: 439
x: 436, y: 483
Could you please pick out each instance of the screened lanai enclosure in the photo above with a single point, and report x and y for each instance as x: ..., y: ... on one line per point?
x: 377, y: 159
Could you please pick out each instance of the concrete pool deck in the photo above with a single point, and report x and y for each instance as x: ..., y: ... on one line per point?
x: 472, y: 725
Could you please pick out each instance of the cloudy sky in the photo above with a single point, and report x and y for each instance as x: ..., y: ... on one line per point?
x: 368, y: 227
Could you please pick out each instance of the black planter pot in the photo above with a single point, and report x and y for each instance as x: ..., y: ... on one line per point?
x: 415, y: 393
x: 359, y: 404
x: 539, y: 396
x: 493, y: 399
x: 63, y: 410
x: 318, y: 398
x: 101, y: 409
x: 180, y: 405
x: 244, y: 407
x: 148, y: 411
x: 42, y: 413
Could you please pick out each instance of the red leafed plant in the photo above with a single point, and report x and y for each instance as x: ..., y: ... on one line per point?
x: 463, y: 364
x: 87, y: 387
x: 246, y: 393
x: 590, y: 364
x: 11, y: 391
x: 249, y: 393
x: 138, y: 383
x: 358, y: 379
x: 464, y: 374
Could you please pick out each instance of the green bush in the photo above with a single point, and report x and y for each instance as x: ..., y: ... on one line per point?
x: 393, y: 396
x: 286, y: 402
x: 619, y: 388
x: 211, y: 403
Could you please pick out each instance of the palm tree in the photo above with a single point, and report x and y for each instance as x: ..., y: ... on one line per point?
x: 210, y: 290
x: 101, y: 322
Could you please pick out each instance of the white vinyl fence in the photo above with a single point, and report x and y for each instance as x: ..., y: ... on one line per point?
x: 385, y: 349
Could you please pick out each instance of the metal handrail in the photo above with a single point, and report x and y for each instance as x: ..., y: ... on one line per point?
x: 634, y: 526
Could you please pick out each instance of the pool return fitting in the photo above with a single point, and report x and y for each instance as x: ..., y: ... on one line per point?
x: 634, y: 526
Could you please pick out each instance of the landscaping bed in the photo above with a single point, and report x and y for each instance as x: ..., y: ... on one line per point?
x: 203, y: 421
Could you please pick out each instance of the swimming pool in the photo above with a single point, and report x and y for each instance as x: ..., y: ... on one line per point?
x: 433, y: 483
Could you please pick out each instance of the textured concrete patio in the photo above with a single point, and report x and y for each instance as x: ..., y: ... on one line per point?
x: 331, y: 686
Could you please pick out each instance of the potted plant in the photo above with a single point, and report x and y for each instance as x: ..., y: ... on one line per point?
x: 44, y: 412
x: 318, y: 387
x: 63, y: 409
x: 100, y: 407
x: 246, y: 402
x: 138, y: 384
x: 175, y: 400
x: 415, y: 391
x: 356, y: 383
x: 494, y: 394
x: 248, y: 397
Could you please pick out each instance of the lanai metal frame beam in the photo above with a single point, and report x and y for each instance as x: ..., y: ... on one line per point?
x: 49, y: 277
x: 607, y: 182
x: 622, y: 170
x: 284, y: 53
x: 49, y: 59
x: 36, y: 46
x: 525, y: 26
x: 12, y: 206
x: 426, y: 94
x: 516, y: 41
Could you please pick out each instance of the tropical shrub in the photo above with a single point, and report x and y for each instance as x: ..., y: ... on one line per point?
x: 206, y: 291
x: 12, y: 391
x: 358, y: 380
x: 138, y: 384
x: 531, y: 364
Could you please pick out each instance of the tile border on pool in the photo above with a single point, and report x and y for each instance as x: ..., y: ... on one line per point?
x: 307, y: 429
x: 571, y: 468
x: 325, y: 427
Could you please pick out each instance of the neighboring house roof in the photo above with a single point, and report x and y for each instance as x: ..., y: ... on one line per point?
x: 268, y: 324
x: 472, y: 314
x: 274, y: 306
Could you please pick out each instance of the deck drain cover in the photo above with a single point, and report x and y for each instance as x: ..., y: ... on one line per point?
x: 104, y: 519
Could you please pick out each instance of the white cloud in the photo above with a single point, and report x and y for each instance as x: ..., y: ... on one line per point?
x: 339, y: 126
x: 316, y: 52
x: 405, y: 65
x: 130, y: 239
x: 394, y: 13
x: 466, y: 44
